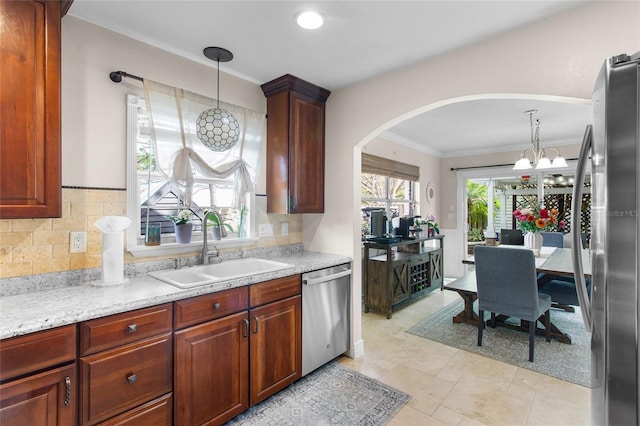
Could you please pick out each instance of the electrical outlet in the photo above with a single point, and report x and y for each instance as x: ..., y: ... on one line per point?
x: 285, y: 228
x: 77, y: 241
x: 265, y: 230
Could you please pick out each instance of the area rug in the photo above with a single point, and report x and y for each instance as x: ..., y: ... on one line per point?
x: 332, y: 395
x: 567, y: 362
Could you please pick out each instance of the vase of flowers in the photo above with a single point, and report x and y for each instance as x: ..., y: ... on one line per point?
x: 533, y: 220
x: 431, y: 225
x: 183, y: 226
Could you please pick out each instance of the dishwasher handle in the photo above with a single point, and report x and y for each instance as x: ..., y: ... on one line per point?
x: 320, y: 280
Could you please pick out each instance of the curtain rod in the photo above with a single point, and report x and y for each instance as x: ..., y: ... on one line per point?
x: 455, y: 169
x: 116, y: 76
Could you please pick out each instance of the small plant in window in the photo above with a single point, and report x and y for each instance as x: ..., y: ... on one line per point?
x: 181, y: 218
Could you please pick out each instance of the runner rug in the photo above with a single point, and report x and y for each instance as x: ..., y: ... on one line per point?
x: 567, y: 362
x: 332, y: 395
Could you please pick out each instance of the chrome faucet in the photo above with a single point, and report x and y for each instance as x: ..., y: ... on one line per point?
x: 206, y: 253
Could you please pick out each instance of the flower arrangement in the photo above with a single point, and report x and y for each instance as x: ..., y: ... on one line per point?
x: 181, y: 218
x: 536, y: 219
x: 430, y: 222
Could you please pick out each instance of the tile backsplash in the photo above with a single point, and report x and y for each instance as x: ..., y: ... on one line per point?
x: 39, y: 246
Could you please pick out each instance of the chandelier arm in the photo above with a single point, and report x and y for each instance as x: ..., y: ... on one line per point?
x: 556, y: 150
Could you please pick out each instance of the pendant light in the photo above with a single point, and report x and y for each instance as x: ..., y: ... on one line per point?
x: 540, y: 159
x: 217, y: 128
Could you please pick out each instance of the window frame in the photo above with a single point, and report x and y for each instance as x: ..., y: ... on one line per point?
x: 168, y: 246
x: 388, y: 201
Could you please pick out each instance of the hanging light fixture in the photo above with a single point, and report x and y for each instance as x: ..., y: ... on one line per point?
x: 540, y: 159
x: 217, y: 128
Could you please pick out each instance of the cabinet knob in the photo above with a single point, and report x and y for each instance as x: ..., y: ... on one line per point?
x: 132, y: 378
x: 216, y: 306
x: 132, y: 328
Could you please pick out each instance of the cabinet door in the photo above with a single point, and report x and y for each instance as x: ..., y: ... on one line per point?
x: 46, y: 399
x: 211, y: 371
x: 306, y: 155
x: 276, y: 347
x: 30, y: 183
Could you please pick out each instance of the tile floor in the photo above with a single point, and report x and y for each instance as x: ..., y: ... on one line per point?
x: 449, y: 386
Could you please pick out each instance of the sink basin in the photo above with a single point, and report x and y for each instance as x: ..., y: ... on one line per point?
x: 227, y: 270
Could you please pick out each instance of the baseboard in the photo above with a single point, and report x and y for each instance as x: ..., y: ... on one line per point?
x: 357, y: 350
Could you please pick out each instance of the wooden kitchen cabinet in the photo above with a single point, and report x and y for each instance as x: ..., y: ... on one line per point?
x: 30, y: 129
x: 126, y: 366
x: 247, y: 346
x: 38, y: 373
x: 276, y: 347
x: 211, y: 371
x: 211, y: 381
x: 295, y: 145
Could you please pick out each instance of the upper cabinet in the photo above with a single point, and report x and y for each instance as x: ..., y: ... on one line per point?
x: 295, y: 145
x: 30, y: 153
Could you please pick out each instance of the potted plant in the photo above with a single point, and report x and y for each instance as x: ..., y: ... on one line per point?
x: 218, y: 225
x: 431, y: 225
x: 183, y: 226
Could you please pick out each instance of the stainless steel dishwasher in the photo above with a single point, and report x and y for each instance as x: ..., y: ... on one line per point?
x: 325, y: 315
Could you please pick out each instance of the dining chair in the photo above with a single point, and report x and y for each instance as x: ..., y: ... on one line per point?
x: 552, y: 239
x: 506, y: 284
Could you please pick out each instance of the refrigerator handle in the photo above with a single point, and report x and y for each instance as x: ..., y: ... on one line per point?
x: 576, y: 240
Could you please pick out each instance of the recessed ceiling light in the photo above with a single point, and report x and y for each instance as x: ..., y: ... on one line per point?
x: 309, y: 20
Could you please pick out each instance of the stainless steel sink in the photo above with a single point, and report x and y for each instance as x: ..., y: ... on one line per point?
x: 227, y: 270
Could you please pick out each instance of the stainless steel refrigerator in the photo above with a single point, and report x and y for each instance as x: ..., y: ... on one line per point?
x: 611, y: 149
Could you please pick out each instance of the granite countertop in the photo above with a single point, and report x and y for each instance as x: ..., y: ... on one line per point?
x: 41, y: 310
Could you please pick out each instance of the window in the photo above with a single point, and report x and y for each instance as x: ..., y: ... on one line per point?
x: 152, y: 196
x: 386, y: 185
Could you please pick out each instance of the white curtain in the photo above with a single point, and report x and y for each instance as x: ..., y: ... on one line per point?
x: 180, y: 155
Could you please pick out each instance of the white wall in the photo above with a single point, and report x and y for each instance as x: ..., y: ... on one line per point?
x: 559, y: 56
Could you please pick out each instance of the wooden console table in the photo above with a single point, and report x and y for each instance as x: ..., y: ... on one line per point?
x: 407, y: 270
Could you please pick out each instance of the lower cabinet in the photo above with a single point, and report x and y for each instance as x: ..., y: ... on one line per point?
x: 38, y: 374
x: 248, y: 348
x: 126, y: 368
x: 42, y: 399
x: 211, y: 371
x: 276, y: 342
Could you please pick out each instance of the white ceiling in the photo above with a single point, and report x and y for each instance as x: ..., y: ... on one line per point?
x: 360, y: 39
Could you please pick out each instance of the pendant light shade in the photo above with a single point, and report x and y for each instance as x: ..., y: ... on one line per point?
x: 217, y: 128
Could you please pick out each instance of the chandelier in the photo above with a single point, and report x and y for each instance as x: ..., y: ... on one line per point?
x: 217, y: 128
x: 540, y: 159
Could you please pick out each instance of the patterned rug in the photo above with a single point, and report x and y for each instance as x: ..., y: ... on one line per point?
x: 332, y: 395
x: 567, y: 362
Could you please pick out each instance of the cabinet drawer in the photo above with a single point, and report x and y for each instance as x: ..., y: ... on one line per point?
x: 119, y: 379
x: 115, y: 330
x: 211, y: 306
x: 35, y: 351
x: 273, y: 290
x: 155, y: 413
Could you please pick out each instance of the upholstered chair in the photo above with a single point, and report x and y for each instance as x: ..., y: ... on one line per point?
x: 506, y: 283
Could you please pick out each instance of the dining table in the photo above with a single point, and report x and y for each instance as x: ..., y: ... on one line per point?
x: 549, y: 260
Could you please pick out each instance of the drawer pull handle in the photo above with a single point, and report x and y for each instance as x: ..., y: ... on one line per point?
x: 132, y: 378
x: 246, y: 327
x: 67, y: 397
x: 216, y: 306
x: 255, y: 330
x: 132, y: 328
